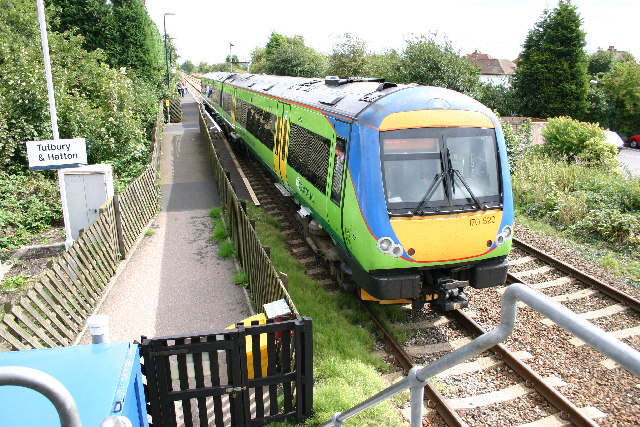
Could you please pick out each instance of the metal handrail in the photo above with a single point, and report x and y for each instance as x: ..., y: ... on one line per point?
x: 50, y: 387
x: 415, y: 380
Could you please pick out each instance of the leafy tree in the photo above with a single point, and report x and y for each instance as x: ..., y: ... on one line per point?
x: 600, y: 62
x: 89, y: 18
x: 426, y: 62
x: 122, y: 28
x: 383, y: 65
x: 188, y: 67
x: 622, y: 87
x: 288, y: 56
x: 349, y: 57
x: 136, y: 42
x: 500, y: 98
x: 231, y: 58
x: 551, y: 78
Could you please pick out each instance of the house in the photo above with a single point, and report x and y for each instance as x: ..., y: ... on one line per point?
x: 492, y: 70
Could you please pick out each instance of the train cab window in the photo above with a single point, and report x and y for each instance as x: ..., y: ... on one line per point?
x: 472, y: 159
x: 436, y: 170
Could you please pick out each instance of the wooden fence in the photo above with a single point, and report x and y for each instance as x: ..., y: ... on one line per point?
x: 53, y: 312
x: 264, y: 281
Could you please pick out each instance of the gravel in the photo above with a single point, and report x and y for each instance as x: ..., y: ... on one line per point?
x: 613, y: 391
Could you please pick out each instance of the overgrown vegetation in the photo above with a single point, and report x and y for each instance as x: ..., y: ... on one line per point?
x: 572, y: 185
x: 106, y: 60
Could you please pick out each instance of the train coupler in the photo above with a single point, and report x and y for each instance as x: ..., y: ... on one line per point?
x: 451, y: 294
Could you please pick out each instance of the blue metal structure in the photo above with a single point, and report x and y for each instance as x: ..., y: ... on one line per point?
x: 103, y: 379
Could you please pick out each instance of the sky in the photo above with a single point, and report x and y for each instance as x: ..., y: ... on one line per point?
x: 204, y: 29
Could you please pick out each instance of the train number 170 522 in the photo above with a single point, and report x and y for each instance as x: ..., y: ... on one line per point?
x: 485, y: 220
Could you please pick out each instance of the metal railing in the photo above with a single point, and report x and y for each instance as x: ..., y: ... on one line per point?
x: 598, y: 339
x: 47, y: 385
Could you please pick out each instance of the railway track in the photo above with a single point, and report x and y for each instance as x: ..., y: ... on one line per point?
x: 500, y: 387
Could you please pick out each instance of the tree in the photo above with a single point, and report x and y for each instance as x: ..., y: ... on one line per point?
x: 622, y: 87
x: 231, y: 58
x: 89, y: 18
x: 349, y: 57
x: 426, y: 62
x: 121, y: 28
x: 500, y: 98
x: 288, y: 56
x: 600, y: 62
x: 136, y: 42
x: 188, y: 67
x: 551, y: 78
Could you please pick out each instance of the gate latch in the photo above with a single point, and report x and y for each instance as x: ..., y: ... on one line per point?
x: 233, y: 391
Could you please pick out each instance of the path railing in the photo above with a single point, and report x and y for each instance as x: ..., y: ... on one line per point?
x: 265, y: 284
x: 54, y: 311
x: 601, y: 341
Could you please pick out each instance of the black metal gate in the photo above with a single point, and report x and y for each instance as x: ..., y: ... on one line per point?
x: 219, y: 379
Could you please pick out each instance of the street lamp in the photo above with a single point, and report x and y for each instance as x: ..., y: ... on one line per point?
x: 166, y: 51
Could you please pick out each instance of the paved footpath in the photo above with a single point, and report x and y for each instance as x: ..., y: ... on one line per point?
x: 174, y: 283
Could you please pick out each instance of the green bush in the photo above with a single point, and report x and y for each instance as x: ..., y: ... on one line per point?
x: 574, y: 140
x: 609, y: 224
x: 29, y: 204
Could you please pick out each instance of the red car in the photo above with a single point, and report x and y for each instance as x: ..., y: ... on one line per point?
x: 634, y: 141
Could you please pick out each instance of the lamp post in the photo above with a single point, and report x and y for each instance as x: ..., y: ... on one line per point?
x: 166, y: 48
x: 230, y: 59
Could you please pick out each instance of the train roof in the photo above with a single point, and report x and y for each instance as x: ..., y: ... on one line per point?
x: 347, y: 97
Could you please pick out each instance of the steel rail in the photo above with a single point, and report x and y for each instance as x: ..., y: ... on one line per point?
x: 614, y: 293
x: 568, y: 410
x: 435, y: 400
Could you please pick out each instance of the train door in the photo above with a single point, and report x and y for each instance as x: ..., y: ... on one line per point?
x: 338, y: 167
x: 281, y: 140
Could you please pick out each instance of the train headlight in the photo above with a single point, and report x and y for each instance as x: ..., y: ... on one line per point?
x: 386, y: 245
x: 504, y: 235
x: 397, y: 251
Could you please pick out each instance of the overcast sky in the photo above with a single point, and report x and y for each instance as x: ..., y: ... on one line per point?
x: 203, y: 29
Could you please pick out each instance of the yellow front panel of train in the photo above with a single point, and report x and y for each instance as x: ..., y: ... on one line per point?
x: 448, y: 237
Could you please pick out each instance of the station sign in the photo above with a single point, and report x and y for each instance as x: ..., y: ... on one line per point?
x: 56, y: 154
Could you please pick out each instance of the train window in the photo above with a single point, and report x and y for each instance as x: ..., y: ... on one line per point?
x: 309, y: 155
x: 338, y: 170
x: 226, y: 102
x: 241, y: 112
x: 474, y: 159
x: 431, y: 170
x: 261, y: 124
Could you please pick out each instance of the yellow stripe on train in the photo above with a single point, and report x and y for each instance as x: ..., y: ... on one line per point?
x: 435, y: 118
x: 447, y: 237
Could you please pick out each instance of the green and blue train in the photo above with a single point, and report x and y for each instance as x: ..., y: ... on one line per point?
x: 403, y: 189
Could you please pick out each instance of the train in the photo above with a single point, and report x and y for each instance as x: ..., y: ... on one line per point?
x: 403, y: 189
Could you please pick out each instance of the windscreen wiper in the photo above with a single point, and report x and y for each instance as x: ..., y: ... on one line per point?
x: 457, y: 173
x: 430, y: 191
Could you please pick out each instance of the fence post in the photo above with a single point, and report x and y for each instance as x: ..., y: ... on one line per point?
x: 119, y: 232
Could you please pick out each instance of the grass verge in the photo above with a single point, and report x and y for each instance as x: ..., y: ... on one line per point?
x: 346, y: 369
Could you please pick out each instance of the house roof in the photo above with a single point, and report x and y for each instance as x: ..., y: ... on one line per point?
x: 491, y: 66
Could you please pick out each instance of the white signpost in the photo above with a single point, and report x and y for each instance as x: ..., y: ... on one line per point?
x: 56, y: 154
